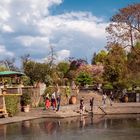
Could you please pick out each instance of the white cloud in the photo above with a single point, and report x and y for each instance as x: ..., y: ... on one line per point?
x: 78, y: 21
x: 6, y: 28
x: 62, y: 55
x: 28, y: 27
x: 4, y: 52
x: 30, y: 41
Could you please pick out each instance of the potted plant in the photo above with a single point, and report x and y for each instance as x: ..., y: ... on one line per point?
x: 72, y: 99
x: 25, y: 101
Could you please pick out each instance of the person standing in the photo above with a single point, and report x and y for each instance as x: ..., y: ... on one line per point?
x: 111, y: 98
x: 58, y: 99
x: 104, y: 99
x: 73, y: 85
x: 53, y: 101
x: 47, y: 102
x: 82, y: 105
x: 91, y: 103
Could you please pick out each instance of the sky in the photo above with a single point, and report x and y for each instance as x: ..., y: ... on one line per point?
x: 74, y: 28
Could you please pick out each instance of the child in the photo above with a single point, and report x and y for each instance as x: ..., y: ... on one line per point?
x: 47, y: 102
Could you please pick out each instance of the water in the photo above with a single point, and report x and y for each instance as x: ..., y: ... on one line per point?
x: 83, y: 128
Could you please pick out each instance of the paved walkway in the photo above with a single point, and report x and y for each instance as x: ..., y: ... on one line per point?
x: 39, y: 113
x: 71, y: 111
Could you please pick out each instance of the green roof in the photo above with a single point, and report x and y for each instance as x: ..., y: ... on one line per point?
x: 10, y: 73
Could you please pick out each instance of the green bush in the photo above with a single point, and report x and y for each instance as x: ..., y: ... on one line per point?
x: 108, y: 86
x: 12, y: 104
x: 49, y: 90
x: 41, y: 104
x: 121, y: 84
x: 84, y: 78
x: 25, y: 99
x: 25, y: 80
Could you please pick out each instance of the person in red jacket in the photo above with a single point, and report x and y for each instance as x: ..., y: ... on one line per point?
x: 47, y: 102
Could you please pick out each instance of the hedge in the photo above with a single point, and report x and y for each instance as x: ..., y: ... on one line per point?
x: 12, y: 104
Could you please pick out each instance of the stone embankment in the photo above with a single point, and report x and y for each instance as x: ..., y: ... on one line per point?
x: 37, y: 113
x: 73, y: 110
x: 118, y: 108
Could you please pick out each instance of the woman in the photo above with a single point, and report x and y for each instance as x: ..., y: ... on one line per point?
x: 53, y: 101
x: 47, y: 102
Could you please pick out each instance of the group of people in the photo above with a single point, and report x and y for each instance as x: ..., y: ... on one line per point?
x: 54, y: 101
x: 91, y: 102
x: 104, y: 99
x: 82, y: 106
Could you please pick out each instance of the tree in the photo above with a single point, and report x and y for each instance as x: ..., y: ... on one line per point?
x: 84, y: 78
x: 100, y: 57
x: 125, y: 26
x: 134, y: 65
x: 51, y: 56
x: 76, y: 63
x: 10, y: 62
x: 115, y: 68
x: 134, y: 59
x: 24, y: 59
x: 36, y: 71
x: 63, y: 67
x: 94, y: 71
x: 93, y: 59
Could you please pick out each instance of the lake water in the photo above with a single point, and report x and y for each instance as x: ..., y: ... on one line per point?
x: 82, y: 128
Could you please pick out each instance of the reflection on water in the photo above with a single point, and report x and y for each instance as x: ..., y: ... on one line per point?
x: 94, y: 127
x: 82, y: 121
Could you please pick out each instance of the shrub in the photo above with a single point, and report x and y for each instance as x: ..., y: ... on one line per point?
x: 12, y: 104
x: 49, y: 90
x: 108, y: 86
x: 25, y: 99
x: 84, y: 78
x: 41, y: 104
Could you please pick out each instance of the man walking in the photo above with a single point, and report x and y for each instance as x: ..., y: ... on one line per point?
x: 91, y: 104
x: 58, y: 99
x: 82, y: 105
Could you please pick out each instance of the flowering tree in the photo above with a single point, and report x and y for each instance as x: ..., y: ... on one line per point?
x: 89, y: 73
x: 92, y: 70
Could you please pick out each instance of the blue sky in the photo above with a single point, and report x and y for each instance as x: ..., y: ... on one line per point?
x: 75, y: 28
x: 101, y: 8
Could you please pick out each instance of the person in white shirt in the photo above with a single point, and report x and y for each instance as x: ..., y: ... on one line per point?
x: 104, y: 99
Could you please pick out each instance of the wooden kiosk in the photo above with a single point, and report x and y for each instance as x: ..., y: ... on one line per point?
x: 3, y: 74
